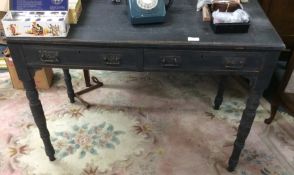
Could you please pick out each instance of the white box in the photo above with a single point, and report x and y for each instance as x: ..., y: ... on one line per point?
x: 36, y: 24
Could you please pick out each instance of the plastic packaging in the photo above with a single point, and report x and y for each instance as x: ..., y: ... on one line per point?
x: 238, y: 16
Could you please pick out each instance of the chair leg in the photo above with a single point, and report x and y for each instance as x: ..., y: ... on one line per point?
x: 274, y: 109
x: 220, y: 93
x: 78, y: 94
x: 72, y: 94
x: 278, y: 100
x: 87, y: 77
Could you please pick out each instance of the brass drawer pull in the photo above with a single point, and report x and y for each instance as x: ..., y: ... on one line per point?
x: 112, y: 60
x: 49, y: 56
x: 234, y: 63
x: 171, y: 61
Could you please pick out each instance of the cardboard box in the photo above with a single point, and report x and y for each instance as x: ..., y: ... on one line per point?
x: 75, y: 10
x: 43, y: 77
x: 2, y: 35
x: 4, y: 5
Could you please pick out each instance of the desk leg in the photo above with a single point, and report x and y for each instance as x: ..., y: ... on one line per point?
x: 244, y: 127
x: 220, y: 93
x: 70, y: 91
x: 39, y: 117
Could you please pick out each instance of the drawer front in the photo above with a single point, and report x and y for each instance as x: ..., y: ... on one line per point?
x: 202, y: 60
x: 100, y: 58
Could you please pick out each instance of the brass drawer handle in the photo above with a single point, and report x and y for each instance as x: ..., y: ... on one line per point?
x: 171, y: 61
x: 234, y: 63
x: 49, y: 56
x: 112, y: 60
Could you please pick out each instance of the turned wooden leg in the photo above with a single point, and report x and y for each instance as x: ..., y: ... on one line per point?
x: 39, y: 117
x: 70, y: 91
x: 220, y: 93
x: 87, y: 77
x: 244, y: 127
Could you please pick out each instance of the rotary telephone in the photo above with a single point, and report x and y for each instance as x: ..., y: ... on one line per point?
x: 148, y: 11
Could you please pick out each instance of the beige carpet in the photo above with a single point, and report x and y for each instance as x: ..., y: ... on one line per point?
x: 141, y: 124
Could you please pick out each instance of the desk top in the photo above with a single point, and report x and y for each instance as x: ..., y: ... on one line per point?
x: 105, y: 24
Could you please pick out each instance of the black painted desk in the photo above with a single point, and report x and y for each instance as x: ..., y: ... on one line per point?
x: 104, y: 39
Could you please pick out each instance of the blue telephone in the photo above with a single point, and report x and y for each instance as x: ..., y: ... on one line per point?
x: 148, y: 11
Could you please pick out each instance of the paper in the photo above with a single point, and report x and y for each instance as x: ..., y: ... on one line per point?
x: 193, y: 39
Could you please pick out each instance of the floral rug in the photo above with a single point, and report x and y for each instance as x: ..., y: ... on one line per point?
x: 140, y: 124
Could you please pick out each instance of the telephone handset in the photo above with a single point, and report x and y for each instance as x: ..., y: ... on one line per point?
x: 148, y: 11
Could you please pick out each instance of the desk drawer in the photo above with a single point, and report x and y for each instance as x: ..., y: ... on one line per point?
x: 100, y: 58
x: 201, y: 60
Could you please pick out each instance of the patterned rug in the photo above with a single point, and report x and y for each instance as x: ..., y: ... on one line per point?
x: 140, y: 124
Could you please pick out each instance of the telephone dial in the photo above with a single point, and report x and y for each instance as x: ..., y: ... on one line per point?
x: 148, y: 11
